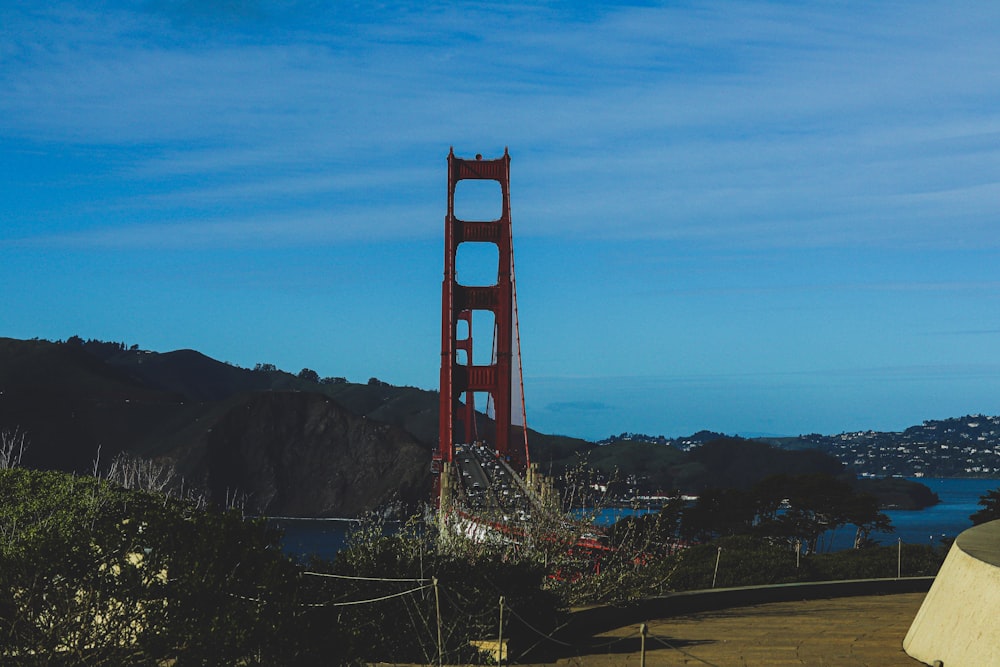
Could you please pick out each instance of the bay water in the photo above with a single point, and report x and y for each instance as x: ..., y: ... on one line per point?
x: 323, y: 538
x: 959, y: 499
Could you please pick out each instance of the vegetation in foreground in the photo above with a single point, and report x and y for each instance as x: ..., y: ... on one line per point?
x: 95, y: 574
x: 92, y: 573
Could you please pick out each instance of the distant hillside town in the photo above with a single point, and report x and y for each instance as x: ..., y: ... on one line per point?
x: 966, y: 446
x: 959, y: 447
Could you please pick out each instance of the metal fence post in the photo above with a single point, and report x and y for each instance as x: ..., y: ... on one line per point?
x: 500, y: 637
x: 642, y: 645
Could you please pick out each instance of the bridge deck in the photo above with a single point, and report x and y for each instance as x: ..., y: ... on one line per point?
x: 488, y: 484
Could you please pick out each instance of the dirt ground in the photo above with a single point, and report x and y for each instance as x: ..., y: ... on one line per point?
x: 846, y: 632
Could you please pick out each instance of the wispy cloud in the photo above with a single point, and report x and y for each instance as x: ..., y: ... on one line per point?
x: 757, y: 123
x: 282, y: 230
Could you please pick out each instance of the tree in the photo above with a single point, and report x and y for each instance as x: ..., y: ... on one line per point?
x: 656, y: 531
x: 795, y: 508
x: 717, y: 513
x: 991, y: 508
x: 309, y: 375
x: 12, y: 446
x: 132, y: 472
x: 816, y: 503
x: 100, y: 575
x: 862, y: 512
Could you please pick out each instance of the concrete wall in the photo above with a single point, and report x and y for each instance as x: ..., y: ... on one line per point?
x: 958, y: 623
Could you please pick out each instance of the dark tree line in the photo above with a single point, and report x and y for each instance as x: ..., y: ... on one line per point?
x: 796, y: 509
x: 991, y: 508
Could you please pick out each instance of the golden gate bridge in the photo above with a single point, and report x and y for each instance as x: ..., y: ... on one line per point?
x: 483, y: 464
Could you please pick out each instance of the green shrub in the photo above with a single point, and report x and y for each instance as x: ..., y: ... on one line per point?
x: 470, y: 583
x: 95, y: 574
x: 742, y: 561
x: 914, y: 560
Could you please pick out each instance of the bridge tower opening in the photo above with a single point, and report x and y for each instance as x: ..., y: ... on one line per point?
x: 463, y: 374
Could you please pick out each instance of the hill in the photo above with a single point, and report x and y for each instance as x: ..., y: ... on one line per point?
x: 294, y: 444
x: 269, y: 435
x: 967, y: 446
x: 298, y: 444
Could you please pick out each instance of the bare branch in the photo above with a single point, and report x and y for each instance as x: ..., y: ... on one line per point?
x: 12, y: 446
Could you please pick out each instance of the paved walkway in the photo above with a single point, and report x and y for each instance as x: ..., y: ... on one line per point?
x: 846, y: 632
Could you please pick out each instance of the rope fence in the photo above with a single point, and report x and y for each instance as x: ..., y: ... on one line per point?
x: 643, y: 634
x: 504, y: 608
x: 469, y: 609
x: 354, y: 578
x: 670, y: 646
x: 534, y: 629
x: 370, y: 600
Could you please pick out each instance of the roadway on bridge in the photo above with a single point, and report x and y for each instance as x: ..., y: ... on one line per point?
x: 488, y: 483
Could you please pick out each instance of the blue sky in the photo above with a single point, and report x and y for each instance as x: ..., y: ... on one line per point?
x: 749, y: 217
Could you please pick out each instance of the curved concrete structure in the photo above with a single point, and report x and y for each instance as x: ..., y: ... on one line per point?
x: 957, y: 623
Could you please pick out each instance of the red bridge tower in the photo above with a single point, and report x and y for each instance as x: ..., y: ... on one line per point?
x: 502, y: 378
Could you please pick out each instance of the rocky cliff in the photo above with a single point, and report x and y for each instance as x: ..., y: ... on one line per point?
x: 302, y: 454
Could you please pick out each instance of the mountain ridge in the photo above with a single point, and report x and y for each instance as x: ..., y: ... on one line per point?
x: 229, y: 429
